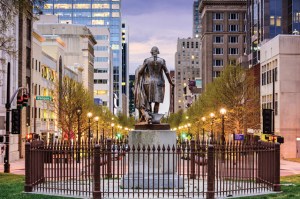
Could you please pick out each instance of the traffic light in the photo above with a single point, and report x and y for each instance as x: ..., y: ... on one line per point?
x: 119, y: 136
x: 280, y: 139
x: 20, y: 101
x: 267, y: 121
x: 16, y: 121
x: 25, y: 100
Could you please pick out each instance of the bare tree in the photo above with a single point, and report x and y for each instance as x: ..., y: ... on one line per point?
x: 9, y: 10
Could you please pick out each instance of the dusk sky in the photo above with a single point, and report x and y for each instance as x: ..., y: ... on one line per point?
x: 156, y: 23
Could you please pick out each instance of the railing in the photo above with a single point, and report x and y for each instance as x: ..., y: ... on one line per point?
x: 115, y: 170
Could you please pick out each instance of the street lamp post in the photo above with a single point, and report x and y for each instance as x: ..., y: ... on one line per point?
x: 203, y: 121
x: 212, y: 116
x: 89, y: 115
x: 78, y: 112
x: 223, y: 112
x: 97, y: 120
x: 188, y: 126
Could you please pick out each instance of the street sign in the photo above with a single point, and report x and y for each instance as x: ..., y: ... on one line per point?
x: 98, y: 101
x: 239, y: 137
x: 49, y: 98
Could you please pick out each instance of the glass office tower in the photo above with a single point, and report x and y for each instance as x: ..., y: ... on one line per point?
x: 268, y: 18
x: 96, y: 13
x: 293, y: 16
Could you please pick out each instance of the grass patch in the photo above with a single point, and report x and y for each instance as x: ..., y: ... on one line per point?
x: 12, y: 187
x: 290, y: 189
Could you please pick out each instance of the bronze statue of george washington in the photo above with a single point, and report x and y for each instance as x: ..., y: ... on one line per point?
x: 150, y: 85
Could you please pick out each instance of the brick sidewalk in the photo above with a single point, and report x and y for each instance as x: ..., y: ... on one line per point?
x: 16, y: 167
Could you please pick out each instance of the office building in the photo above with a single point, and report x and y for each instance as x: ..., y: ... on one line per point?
x: 172, y: 92
x: 196, y: 19
x: 280, y: 56
x: 79, y: 48
x: 125, y: 67
x: 223, y: 35
x: 49, y: 58
x: 96, y: 14
x: 187, y: 69
x: 267, y: 19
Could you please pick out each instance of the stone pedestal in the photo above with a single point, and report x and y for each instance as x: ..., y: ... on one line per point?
x: 152, y: 168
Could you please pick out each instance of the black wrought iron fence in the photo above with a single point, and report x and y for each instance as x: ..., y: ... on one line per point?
x: 108, y: 169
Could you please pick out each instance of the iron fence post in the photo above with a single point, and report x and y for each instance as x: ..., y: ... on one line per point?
x: 259, y: 162
x: 276, y: 185
x: 109, y: 158
x: 28, y: 169
x: 192, y: 174
x: 210, y: 194
x: 96, y: 192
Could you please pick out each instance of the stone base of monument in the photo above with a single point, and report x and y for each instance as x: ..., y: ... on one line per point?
x: 153, y: 170
x: 153, y: 182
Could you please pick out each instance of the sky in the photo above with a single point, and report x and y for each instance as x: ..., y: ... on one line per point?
x: 157, y: 23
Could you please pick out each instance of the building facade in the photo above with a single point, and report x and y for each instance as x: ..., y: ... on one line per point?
x: 266, y: 19
x: 280, y: 56
x: 79, y: 50
x: 49, y: 54
x: 103, y: 71
x: 125, y: 67
x: 187, y: 69
x: 172, y: 92
x: 104, y: 13
x: 197, y: 26
x: 223, y: 35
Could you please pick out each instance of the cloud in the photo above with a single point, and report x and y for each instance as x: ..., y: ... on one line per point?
x: 162, y: 30
x: 156, y: 23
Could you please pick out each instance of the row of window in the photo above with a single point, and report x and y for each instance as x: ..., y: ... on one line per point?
x: 101, y: 48
x: 100, y: 70
x: 187, y: 62
x: 81, y: 6
x: 42, y: 113
x: 231, y: 28
x: 83, y: 14
x: 231, y: 16
x: 190, y: 44
x: 101, y: 59
x: 100, y: 81
x: 231, y: 51
x: 267, y: 101
x: 231, y: 39
x: 267, y: 76
x: 101, y: 37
